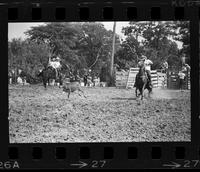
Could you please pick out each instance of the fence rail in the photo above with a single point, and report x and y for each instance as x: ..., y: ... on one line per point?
x: 126, y: 79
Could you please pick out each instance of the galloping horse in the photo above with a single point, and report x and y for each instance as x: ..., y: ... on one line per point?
x: 142, y: 82
x: 50, y: 73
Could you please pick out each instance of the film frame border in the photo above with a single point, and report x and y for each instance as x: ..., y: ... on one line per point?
x: 125, y: 155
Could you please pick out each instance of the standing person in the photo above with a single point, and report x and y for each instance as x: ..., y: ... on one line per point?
x: 165, y: 66
x: 10, y: 77
x: 181, y: 75
x: 85, y: 78
x: 183, y: 58
x: 186, y: 67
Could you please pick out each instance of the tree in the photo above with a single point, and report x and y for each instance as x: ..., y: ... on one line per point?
x: 80, y: 45
x: 35, y: 55
x: 60, y: 37
x: 157, y: 40
x: 95, y: 46
x: 184, y: 37
x: 15, y: 58
x: 129, y: 52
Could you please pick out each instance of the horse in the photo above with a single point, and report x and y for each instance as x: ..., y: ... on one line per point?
x: 142, y: 82
x: 49, y: 73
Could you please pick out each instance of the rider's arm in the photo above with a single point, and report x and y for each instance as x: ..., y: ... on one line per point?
x: 150, y: 62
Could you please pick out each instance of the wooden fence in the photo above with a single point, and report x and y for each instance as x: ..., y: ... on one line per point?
x: 121, y: 79
x: 126, y: 79
x: 162, y: 79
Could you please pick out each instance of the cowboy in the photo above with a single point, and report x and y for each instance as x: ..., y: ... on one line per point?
x: 55, y: 63
x: 147, y: 64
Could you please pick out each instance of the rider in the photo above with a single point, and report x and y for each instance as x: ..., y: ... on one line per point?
x: 55, y: 63
x: 147, y: 63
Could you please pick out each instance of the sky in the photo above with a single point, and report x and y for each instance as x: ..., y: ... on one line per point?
x: 16, y: 30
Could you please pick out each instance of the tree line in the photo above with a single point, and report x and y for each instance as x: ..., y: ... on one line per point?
x: 88, y: 45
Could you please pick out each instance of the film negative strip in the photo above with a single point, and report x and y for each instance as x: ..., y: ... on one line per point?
x: 99, y: 85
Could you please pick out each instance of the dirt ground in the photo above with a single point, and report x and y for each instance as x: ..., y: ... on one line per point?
x: 106, y: 115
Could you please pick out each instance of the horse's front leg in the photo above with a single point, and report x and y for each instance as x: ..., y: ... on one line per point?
x: 149, y: 94
x: 60, y: 82
x: 136, y: 93
x: 48, y: 81
x: 142, y: 92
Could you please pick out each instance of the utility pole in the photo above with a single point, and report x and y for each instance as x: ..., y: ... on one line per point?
x: 113, y: 53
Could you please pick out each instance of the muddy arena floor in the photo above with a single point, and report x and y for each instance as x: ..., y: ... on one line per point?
x: 106, y: 115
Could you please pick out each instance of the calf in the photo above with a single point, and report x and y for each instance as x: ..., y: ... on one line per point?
x: 71, y: 87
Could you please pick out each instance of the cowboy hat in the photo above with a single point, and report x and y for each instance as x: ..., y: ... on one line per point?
x: 143, y: 57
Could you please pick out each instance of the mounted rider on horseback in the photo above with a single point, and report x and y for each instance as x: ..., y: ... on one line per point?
x: 54, y: 63
x: 147, y: 64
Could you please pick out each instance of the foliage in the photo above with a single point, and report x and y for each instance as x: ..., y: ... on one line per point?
x: 157, y: 41
x: 88, y: 45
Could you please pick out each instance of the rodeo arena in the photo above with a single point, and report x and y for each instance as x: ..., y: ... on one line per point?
x: 60, y: 102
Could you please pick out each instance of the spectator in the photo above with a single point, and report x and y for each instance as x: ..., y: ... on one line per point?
x: 187, y: 67
x: 165, y: 66
x: 181, y: 75
x: 85, y: 79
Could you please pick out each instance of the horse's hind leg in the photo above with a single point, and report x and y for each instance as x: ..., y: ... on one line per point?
x: 45, y: 84
x: 149, y: 94
x: 150, y: 91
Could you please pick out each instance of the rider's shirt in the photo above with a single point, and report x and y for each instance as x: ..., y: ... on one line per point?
x: 54, y: 64
x: 148, y: 64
